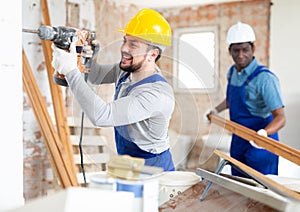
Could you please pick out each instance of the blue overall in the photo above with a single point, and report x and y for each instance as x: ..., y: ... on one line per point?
x: 259, y: 159
x: 127, y: 147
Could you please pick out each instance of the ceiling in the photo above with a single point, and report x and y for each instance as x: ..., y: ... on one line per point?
x: 169, y: 3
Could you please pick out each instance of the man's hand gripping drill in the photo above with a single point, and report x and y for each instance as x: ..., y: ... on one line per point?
x: 62, y: 38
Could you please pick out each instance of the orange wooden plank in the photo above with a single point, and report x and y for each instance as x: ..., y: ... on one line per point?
x: 270, y: 144
x: 47, y: 129
x: 58, y: 102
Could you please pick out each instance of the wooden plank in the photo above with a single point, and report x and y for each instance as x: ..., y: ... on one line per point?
x: 259, y: 177
x: 270, y: 144
x: 51, y: 139
x: 58, y: 102
x: 257, y: 193
x: 89, y: 140
x: 94, y: 158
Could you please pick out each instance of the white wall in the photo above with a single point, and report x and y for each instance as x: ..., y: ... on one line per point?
x: 11, y: 155
x: 284, y: 61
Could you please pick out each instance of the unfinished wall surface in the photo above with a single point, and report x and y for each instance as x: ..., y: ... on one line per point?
x: 191, y: 106
x: 39, y: 179
x: 255, y: 13
x: 37, y: 170
x: 105, y: 17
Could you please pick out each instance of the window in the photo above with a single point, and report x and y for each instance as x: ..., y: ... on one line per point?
x: 195, y: 59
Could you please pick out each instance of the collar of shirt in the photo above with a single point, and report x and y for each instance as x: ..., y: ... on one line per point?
x: 239, y: 78
x: 250, y: 68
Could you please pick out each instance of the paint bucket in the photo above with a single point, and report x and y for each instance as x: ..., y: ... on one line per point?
x: 145, y: 190
x: 175, y: 182
x: 103, y: 181
x: 145, y: 193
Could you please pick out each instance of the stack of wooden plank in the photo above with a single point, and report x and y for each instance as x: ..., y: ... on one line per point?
x: 59, y: 157
x: 57, y: 140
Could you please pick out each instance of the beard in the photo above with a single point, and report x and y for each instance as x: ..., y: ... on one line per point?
x: 131, y: 67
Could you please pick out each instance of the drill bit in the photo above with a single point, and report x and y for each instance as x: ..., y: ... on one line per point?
x: 30, y: 31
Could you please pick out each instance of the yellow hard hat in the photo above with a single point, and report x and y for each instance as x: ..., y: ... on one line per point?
x: 151, y: 26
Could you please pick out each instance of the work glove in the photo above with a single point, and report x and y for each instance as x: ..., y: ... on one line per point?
x: 261, y: 132
x: 90, y: 52
x: 63, y: 62
x: 208, y: 112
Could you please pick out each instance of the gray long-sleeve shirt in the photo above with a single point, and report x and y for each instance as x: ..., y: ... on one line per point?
x: 146, y: 110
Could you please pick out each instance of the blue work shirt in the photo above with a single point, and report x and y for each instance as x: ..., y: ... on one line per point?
x: 263, y: 93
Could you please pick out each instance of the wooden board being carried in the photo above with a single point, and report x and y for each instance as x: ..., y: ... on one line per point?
x: 269, y: 144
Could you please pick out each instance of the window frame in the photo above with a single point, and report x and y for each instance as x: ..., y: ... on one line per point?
x: 177, y: 33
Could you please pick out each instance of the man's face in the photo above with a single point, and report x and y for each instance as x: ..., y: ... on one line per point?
x: 242, y: 54
x: 134, y: 52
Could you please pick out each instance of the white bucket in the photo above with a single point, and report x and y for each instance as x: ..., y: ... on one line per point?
x: 175, y: 182
x: 145, y: 193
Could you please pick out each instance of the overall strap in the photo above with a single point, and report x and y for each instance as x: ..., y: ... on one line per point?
x: 259, y: 69
x: 119, y: 84
x: 150, y: 79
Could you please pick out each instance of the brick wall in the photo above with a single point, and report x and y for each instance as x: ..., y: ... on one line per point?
x: 255, y: 13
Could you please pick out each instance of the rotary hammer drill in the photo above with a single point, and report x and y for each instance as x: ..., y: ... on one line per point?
x: 62, y: 37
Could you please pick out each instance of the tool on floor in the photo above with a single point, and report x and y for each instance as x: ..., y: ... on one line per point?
x: 62, y: 37
x: 131, y: 168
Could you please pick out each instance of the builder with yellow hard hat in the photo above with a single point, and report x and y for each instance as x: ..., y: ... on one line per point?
x: 254, y: 100
x: 143, y: 101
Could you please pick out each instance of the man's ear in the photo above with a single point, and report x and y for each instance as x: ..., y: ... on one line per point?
x: 153, y: 54
x: 253, y: 48
x: 229, y: 48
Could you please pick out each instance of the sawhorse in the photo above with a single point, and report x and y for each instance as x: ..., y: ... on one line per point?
x: 218, y: 170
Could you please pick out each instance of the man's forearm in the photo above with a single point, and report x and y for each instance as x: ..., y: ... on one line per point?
x: 222, y: 106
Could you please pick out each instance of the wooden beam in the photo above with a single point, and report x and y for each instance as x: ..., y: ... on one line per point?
x: 270, y: 144
x: 51, y: 139
x: 58, y: 102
